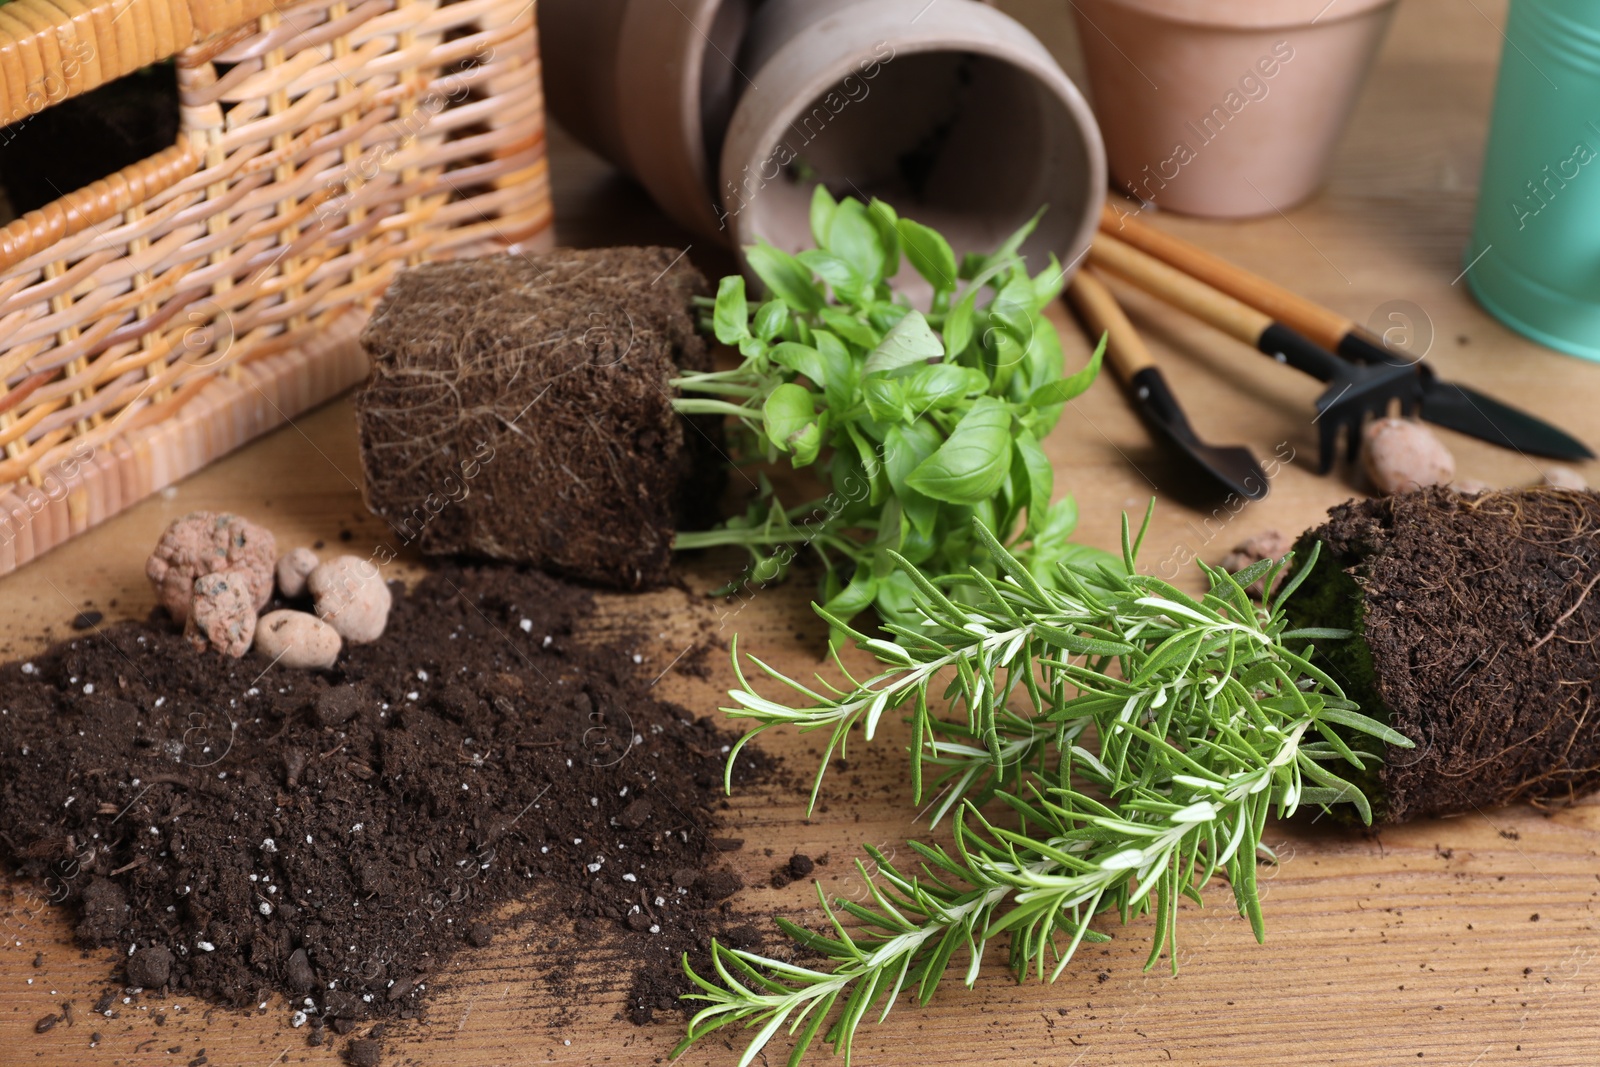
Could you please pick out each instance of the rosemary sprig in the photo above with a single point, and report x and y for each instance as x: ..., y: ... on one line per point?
x: 1204, y: 715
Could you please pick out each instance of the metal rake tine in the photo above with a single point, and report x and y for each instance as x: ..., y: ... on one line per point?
x: 1327, y: 440
x: 1353, y: 430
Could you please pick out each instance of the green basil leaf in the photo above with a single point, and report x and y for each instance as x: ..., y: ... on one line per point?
x: 886, y: 317
x: 840, y: 368
x: 851, y: 601
x: 1044, y: 361
x: 853, y: 238
x: 785, y: 277
x: 871, y: 462
x: 731, y: 315
x: 802, y: 359
x: 1059, y: 522
x: 885, y: 399
x: 1012, y: 309
x: 887, y: 223
x: 771, y: 318
x: 909, y: 341
x: 787, y: 412
x: 1010, y: 332
x: 1040, y: 479
x: 958, y: 326
x: 823, y: 206
x: 807, y: 443
x: 916, y: 545
x: 972, y: 265
x: 972, y: 465
x: 1059, y: 392
x: 1014, y: 243
x: 904, y: 449
x: 1048, y: 283
x: 941, y: 385
x: 930, y: 255
x: 845, y: 280
x: 850, y: 328
x: 896, y: 599
x: 891, y: 525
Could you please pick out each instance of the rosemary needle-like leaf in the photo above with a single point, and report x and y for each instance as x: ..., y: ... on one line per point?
x: 1207, y: 718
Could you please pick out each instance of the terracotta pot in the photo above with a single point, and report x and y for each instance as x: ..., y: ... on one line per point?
x: 580, y: 70
x: 1228, y: 108
x: 951, y: 111
x: 650, y: 86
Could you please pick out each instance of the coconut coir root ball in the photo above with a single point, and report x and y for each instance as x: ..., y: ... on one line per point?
x: 1477, y: 625
x: 520, y: 408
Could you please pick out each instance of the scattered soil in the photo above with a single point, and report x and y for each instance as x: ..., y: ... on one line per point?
x: 798, y: 867
x: 1478, y: 623
x: 233, y: 829
x: 520, y: 409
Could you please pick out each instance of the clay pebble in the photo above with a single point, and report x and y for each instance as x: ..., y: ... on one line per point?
x: 297, y: 639
x: 222, y: 615
x: 1268, y: 544
x: 293, y: 570
x: 1559, y: 477
x: 1403, y: 456
x: 203, y: 542
x: 350, y: 595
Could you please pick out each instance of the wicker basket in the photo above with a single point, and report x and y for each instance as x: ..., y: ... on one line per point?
x: 154, y: 320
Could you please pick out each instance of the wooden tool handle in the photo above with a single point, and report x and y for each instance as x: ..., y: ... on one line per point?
x: 1125, y: 350
x: 1327, y: 328
x: 1180, y: 290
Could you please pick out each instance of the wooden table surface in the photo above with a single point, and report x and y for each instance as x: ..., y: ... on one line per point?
x: 1470, y: 942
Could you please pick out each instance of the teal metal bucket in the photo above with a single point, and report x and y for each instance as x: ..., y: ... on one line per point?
x: 1534, y: 258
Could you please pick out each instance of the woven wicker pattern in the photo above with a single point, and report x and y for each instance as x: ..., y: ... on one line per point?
x: 322, y: 147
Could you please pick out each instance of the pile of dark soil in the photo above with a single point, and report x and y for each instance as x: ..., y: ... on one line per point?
x: 1478, y: 636
x: 234, y: 828
x: 520, y: 409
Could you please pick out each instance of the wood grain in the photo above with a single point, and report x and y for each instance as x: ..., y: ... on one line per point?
x: 1470, y: 942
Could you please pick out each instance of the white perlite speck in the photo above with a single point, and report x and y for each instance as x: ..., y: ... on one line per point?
x: 527, y: 626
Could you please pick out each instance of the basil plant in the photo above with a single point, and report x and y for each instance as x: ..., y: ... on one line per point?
x: 916, y: 422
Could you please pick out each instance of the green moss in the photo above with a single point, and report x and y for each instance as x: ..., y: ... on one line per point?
x: 1331, y: 597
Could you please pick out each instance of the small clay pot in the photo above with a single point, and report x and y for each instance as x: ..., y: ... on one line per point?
x: 952, y: 112
x: 1226, y: 108
x: 650, y: 86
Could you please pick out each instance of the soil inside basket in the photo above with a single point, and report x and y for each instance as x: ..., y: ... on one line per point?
x: 338, y: 837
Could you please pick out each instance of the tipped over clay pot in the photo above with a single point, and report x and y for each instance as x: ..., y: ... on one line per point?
x: 952, y: 112
x: 1226, y: 108
x: 649, y: 85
